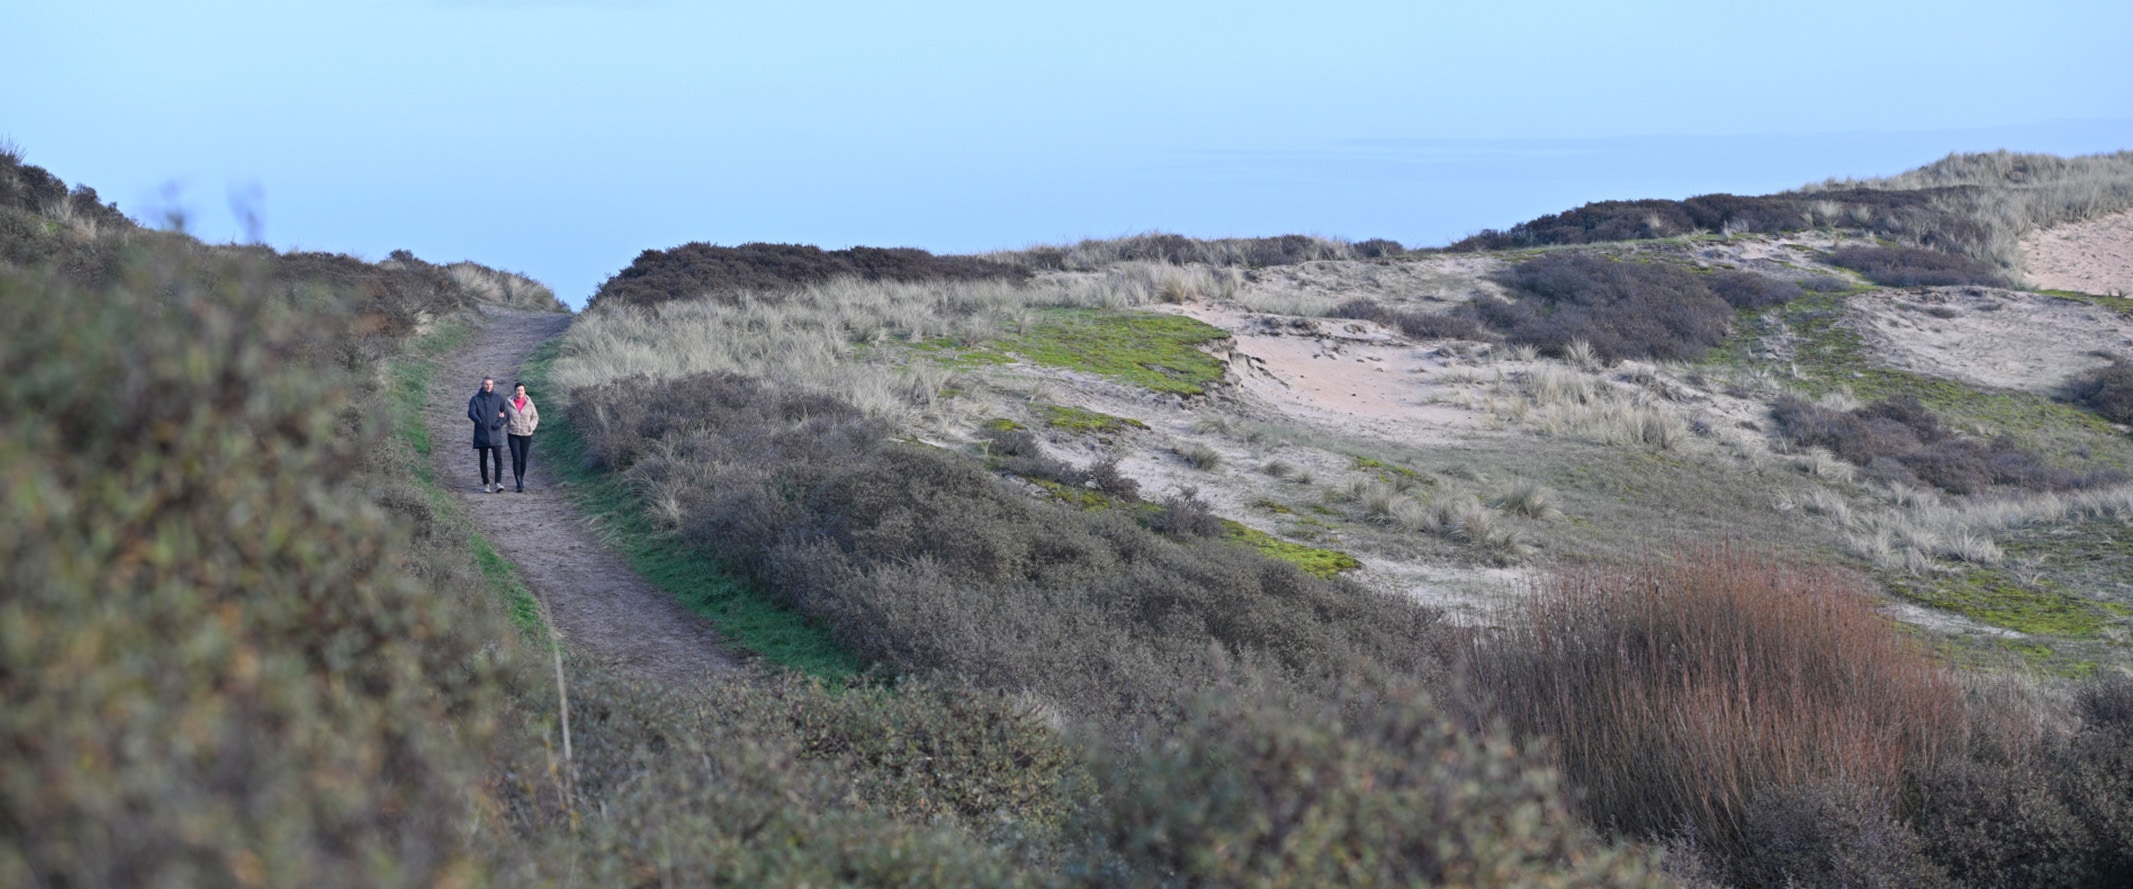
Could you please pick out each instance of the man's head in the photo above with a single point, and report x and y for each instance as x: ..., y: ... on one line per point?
x: 488, y: 384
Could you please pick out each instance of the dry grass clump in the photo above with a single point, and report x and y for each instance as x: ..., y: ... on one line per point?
x: 1199, y: 456
x: 1530, y: 499
x: 697, y: 269
x: 1682, y: 690
x: 504, y: 288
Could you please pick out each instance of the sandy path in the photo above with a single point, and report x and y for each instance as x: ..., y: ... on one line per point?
x: 600, y: 606
x: 2095, y: 256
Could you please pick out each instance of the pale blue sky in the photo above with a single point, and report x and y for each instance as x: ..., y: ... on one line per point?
x: 560, y: 138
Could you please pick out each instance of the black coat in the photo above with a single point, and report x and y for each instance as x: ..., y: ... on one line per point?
x: 488, y: 427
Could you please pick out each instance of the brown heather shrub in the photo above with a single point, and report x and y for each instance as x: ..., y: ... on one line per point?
x: 1175, y: 249
x: 1926, y: 216
x: 1914, y: 267
x: 2107, y: 390
x: 1623, y: 309
x: 1364, y: 784
x: 1899, y: 440
x: 697, y: 269
x: 1680, y: 691
x: 922, y: 560
x: 1411, y: 324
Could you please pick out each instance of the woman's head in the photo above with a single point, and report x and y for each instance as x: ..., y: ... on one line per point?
x: 518, y: 388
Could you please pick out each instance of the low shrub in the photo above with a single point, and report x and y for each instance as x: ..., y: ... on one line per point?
x: 1915, y: 267
x: 1748, y: 290
x: 1898, y: 441
x: 2107, y: 390
x: 1681, y: 691
x: 1623, y: 309
x: 1366, y: 786
x: 1183, y: 514
x: 1411, y: 324
x: 698, y: 269
x: 921, y: 560
x: 1175, y: 249
x: 221, y: 668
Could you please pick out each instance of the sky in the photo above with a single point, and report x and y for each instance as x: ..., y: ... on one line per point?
x: 561, y: 137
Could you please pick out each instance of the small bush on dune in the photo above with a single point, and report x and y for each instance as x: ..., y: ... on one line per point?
x: 1368, y: 786
x: 1411, y: 324
x: 1622, y: 309
x: 1680, y: 691
x: 1747, y: 290
x: 1898, y: 441
x: 1915, y: 267
x: 2107, y: 390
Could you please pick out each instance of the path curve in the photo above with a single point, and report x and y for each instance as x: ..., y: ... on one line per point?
x: 596, y: 603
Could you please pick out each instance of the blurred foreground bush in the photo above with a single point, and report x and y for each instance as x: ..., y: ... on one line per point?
x: 214, y: 667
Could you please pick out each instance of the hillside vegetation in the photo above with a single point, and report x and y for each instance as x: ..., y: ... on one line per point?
x: 1700, y: 559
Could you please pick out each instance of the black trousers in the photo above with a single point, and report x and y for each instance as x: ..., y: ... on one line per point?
x: 486, y: 454
x: 520, y: 446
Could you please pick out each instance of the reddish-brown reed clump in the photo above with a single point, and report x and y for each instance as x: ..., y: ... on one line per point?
x: 1678, y: 689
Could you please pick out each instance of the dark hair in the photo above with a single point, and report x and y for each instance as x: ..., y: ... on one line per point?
x: 519, y: 385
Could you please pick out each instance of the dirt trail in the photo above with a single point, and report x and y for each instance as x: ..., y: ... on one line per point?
x: 600, y: 606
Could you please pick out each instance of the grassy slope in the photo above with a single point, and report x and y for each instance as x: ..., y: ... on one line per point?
x: 744, y: 614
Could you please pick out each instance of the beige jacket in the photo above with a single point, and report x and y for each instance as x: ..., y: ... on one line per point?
x: 521, y: 422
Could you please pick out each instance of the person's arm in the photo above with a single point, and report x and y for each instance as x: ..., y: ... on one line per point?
x: 474, y: 409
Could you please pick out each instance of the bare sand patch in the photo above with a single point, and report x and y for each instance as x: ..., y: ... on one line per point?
x: 2095, y: 256
x: 2000, y: 338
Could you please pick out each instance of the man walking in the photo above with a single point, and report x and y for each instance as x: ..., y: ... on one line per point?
x: 486, y: 409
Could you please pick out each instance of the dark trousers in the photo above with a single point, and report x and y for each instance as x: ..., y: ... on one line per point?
x: 487, y: 454
x: 520, y: 445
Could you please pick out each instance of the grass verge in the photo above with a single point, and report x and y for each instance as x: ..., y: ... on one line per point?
x: 408, y: 378
x: 744, y: 614
x: 1156, y: 352
x: 1088, y: 422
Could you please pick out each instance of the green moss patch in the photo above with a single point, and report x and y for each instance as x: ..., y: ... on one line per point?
x: 2119, y: 304
x: 1000, y: 424
x: 1313, y: 560
x: 1156, y: 352
x: 1993, y: 597
x: 1081, y: 421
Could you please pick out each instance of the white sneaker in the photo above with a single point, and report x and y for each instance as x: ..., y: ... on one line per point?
x: 486, y: 489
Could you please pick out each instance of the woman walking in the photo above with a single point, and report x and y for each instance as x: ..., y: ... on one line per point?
x: 523, y: 418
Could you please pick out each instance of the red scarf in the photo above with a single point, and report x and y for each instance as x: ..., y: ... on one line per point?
x: 519, y: 402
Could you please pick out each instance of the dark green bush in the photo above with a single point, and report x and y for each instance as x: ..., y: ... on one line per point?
x: 697, y: 269
x: 1366, y: 786
x: 1623, y: 309
x: 2107, y: 390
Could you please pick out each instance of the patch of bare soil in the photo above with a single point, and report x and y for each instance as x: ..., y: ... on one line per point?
x: 2095, y: 256
x: 595, y: 602
x: 2000, y: 338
